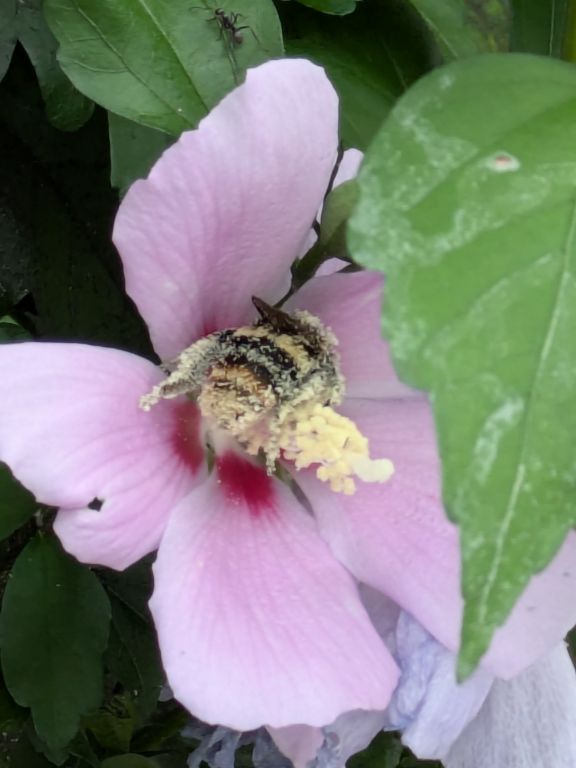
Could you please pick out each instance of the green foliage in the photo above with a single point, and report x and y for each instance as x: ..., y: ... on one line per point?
x: 24, y: 22
x: 337, y: 7
x: 17, y: 505
x: 55, y: 618
x: 540, y: 26
x: 134, y: 149
x: 465, y: 27
x: 133, y: 656
x: 7, y: 33
x: 129, y: 761
x: 371, y: 57
x: 466, y: 203
x: 469, y: 209
x: 160, y: 64
x: 57, y: 210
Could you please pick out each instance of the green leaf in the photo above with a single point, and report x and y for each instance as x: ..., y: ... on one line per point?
x: 369, y: 69
x: 17, y: 505
x: 133, y: 656
x: 540, y: 26
x: 15, y: 253
x: 22, y: 755
x: 113, y: 725
x: 53, y: 631
x: 129, y: 761
x: 465, y: 27
x: 385, y: 751
x: 336, y: 7
x: 11, y: 331
x: 7, y: 33
x: 66, y: 108
x: 337, y: 209
x: 56, y: 188
x: 134, y: 149
x: 162, y: 64
x: 468, y: 204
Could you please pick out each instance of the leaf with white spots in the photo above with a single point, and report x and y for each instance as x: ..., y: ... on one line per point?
x: 468, y: 204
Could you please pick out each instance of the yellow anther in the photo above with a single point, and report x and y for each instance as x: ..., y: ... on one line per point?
x: 316, y: 434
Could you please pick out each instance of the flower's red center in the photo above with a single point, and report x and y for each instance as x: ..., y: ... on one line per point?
x: 244, y: 483
x: 187, y: 443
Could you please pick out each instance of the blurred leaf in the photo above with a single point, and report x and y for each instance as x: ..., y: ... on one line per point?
x: 133, y: 657
x: 134, y: 149
x: 162, y: 64
x: 113, y: 725
x: 371, y: 57
x: 81, y: 748
x: 337, y: 7
x: 53, y: 631
x: 15, y: 254
x: 467, y: 203
x: 7, y: 33
x: 21, y: 754
x: 540, y: 26
x: 129, y: 761
x: 337, y: 209
x: 385, y: 751
x: 165, y: 724
x: 132, y: 587
x: 177, y: 760
x: 11, y: 331
x: 17, y: 505
x: 57, y: 755
x: 466, y: 27
x: 66, y: 108
x: 58, y: 192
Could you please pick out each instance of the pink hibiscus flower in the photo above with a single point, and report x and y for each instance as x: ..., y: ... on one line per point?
x: 256, y: 601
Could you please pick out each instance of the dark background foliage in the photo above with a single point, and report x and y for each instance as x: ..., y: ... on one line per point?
x: 81, y: 672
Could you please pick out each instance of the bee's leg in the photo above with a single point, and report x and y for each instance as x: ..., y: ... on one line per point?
x: 188, y: 372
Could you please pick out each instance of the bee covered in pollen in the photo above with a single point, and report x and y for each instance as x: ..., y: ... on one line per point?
x: 271, y: 386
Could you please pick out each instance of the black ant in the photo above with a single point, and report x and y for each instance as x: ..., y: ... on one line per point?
x: 228, y: 25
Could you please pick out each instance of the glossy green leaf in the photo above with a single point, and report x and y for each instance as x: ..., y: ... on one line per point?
x: 162, y: 64
x: 371, y: 57
x: 7, y: 33
x: 53, y: 631
x: 468, y: 204
x: 17, y: 505
x: 540, y: 26
x: 134, y: 149
x: 465, y: 27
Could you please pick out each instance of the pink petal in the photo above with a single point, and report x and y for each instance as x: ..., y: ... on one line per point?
x: 543, y: 616
x: 526, y: 722
x: 300, y: 743
x: 396, y: 538
x: 72, y: 431
x: 258, y: 623
x: 226, y: 210
x: 350, y: 304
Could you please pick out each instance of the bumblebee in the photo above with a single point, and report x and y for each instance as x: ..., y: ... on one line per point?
x: 249, y: 380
